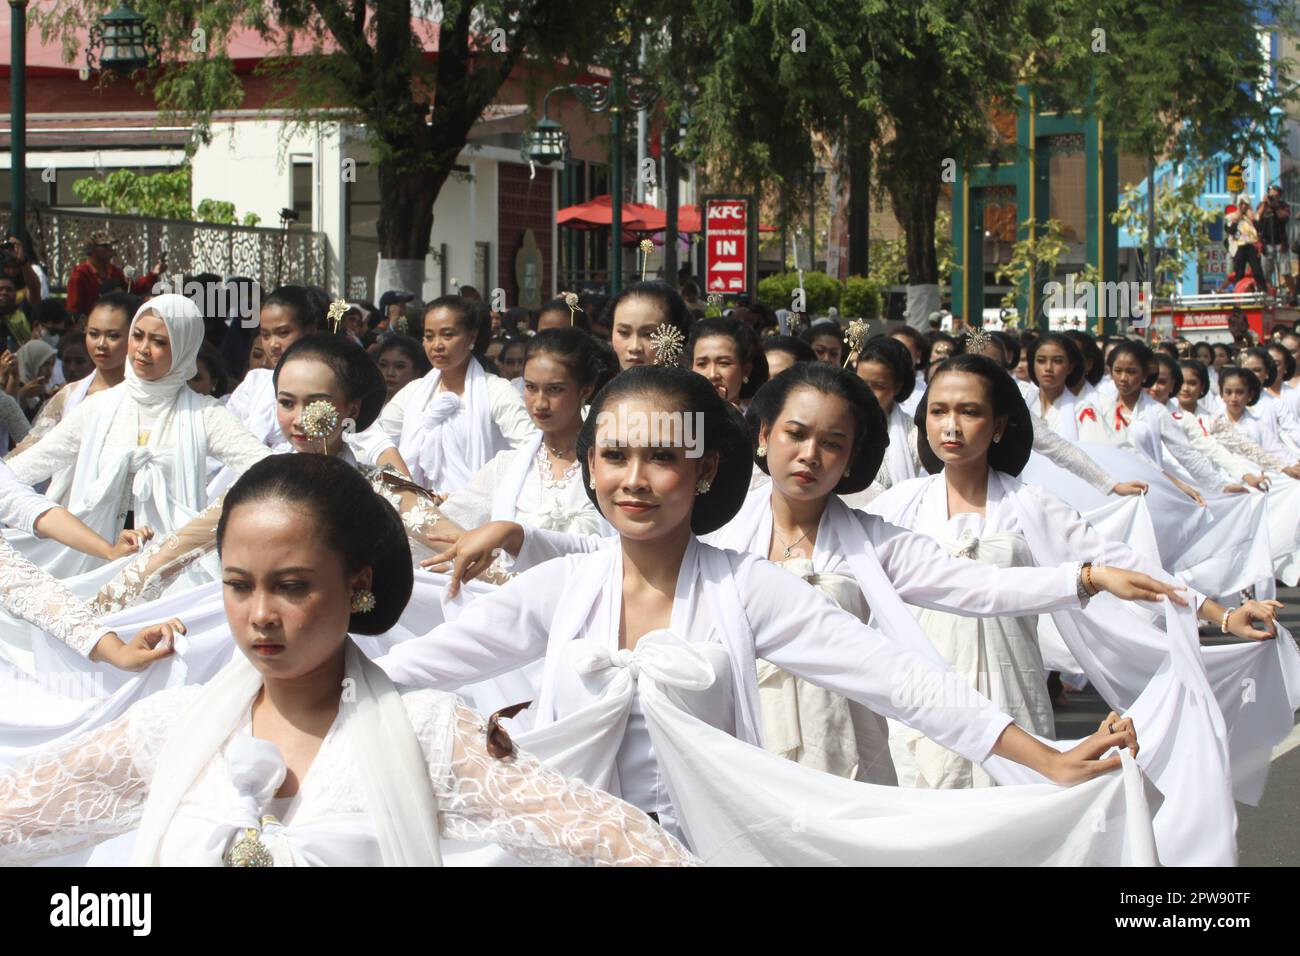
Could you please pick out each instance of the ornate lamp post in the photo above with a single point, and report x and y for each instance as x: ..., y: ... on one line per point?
x: 18, y: 118
x: 547, y: 142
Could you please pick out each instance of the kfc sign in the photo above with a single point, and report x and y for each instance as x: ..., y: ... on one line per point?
x: 727, y: 245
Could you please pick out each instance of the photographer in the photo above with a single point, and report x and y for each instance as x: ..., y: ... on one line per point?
x: 1242, y: 237
x: 29, y: 279
x: 97, y: 275
x: 1272, y: 219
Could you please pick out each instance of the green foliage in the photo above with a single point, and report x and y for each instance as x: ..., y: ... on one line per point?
x: 1182, y: 226
x: 862, y: 298
x: 1035, y: 255
x: 164, y: 195
x: 821, y: 292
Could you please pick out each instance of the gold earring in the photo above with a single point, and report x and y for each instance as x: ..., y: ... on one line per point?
x: 363, y: 601
x: 702, y: 486
x: 762, y: 451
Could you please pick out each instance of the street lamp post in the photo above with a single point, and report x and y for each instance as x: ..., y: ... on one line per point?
x: 547, y: 142
x: 18, y: 118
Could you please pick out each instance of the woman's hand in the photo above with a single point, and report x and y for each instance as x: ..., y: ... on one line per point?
x: 129, y: 542
x: 150, y: 644
x: 1236, y: 490
x: 33, y: 389
x: 1258, y: 482
x: 1241, y: 622
x: 1127, y: 488
x: 1292, y: 471
x: 443, y: 534
x: 473, y: 552
x: 1084, y: 762
x: 1188, y: 490
x: 1134, y: 585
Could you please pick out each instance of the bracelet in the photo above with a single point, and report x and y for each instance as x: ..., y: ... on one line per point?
x: 1087, y: 574
x: 1085, y: 588
x: 1223, y: 624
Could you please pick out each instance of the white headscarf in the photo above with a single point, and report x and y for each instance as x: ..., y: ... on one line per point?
x: 184, y: 324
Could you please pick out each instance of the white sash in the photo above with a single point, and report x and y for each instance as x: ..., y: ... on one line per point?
x: 505, y: 501
x: 389, y: 759
x: 446, y: 438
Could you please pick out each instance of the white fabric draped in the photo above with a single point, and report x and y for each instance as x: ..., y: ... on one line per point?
x: 446, y: 437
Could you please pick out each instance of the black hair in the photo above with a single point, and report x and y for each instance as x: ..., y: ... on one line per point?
x: 357, y: 375
x: 123, y: 301
x: 577, y: 317
x: 50, y: 309
x: 722, y: 430
x: 296, y: 299
x: 1196, y: 348
x: 466, y: 318
x: 319, y: 301
x: 1164, y: 360
x: 589, y: 361
x: 1094, y: 366
x: 1228, y: 350
x: 1253, y: 388
x: 349, y: 518
x: 894, y: 355
x: 6, y: 277
x: 1009, y: 455
x: 482, y: 318
x: 1010, y: 347
x: 672, y: 307
x: 1139, y: 353
x: 1289, y: 364
x: 71, y: 339
x: 749, y: 350
x: 824, y: 327
x: 1168, y: 348
x: 870, y: 428
x: 1270, y: 366
x: 1073, y: 357
x: 916, y: 338
x: 800, y: 349
x: 938, y: 335
x: 595, y: 306
x: 1202, y: 374
x: 211, y: 359
x: 411, y: 349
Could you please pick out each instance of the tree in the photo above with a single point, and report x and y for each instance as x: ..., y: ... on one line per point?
x: 161, y: 195
x: 369, y: 62
x: 1182, y: 225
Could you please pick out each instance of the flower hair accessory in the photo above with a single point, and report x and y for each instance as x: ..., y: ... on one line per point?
x: 647, y: 247
x: 667, y: 340
x: 856, y: 339
x: 977, y: 340
x: 714, y: 299
x: 337, y: 309
x: 571, y: 300
x: 319, y: 419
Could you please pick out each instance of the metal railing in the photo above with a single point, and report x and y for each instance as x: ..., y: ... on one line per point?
x: 271, y: 256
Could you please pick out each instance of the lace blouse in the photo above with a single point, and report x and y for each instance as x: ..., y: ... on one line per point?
x: 30, y: 593
x: 96, y: 787
x: 544, y: 501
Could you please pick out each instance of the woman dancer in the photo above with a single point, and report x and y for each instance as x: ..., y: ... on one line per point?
x: 728, y: 354
x: 538, y: 484
x: 401, y: 361
x: 141, y: 447
x: 886, y: 366
x: 724, y: 610
x: 268, y: 764
x: 448, y: 424
x: 636, y: 315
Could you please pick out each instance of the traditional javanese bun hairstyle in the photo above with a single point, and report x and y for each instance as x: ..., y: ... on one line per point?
x: 870, y: 429
x: 1011, y: 454
x: 722, y: 430
x: 1270, y: 364
x: 894, y: 355
x: 1202, y: 374
x: 590, y: 361
x: 1094, y: 365
x: 1073, y: 357
x: 350, y: 519
x: 749, y: 351
x: 1253, y: 387
x: 358, y: 376
x: 1175, y: 373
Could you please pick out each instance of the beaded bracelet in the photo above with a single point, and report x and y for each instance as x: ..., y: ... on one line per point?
x: 1223, y: 624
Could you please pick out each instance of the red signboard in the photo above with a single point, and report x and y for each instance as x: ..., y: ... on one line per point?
x: 726, y: 245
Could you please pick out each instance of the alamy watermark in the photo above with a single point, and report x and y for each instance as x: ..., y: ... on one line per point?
x: 1128, y: 301
x: 240, y: 301
x: 70, y: 685
x: 637, y: 429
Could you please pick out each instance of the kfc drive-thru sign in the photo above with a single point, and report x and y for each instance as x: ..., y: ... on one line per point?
x: 730, y: 244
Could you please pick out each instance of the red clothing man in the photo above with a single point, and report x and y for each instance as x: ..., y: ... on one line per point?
x: 97, y: 275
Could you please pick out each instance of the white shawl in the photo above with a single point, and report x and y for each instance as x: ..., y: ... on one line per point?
x: 446, y: 438
x: 388, y: 756
x: 506, y: 499
x: 898, y: 453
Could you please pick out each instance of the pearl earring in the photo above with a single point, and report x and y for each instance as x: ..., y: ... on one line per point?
x: 762, y: 451
x: 702, y: 487
x: 591, y: 483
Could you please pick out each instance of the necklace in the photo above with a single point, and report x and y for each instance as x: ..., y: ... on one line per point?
x: 788, y: 547
x: 560, y: 454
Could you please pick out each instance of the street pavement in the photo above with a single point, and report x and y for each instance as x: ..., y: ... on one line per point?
x: 1267, y: 835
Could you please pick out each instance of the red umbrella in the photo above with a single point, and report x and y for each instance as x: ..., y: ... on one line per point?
x: 598, y: 213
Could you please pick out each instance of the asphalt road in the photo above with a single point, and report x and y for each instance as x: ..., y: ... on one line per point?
x: 1267, y: 835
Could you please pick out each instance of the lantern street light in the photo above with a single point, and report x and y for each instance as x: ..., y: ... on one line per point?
x: 122, y: 41
x: 547, y: 142
x: 18, y: 119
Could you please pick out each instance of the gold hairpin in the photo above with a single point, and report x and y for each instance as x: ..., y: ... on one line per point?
x: 714, y: 300
x: 337, y: 310
x: 647, y: 247
x: 793, y: 323
x: 856, y: 339
x: 667, y: 340
x: 571, y: 300
x: 319, y: 419
x: 977, y: 340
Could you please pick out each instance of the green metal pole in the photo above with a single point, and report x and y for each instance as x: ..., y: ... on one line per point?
x: 616, y: 183
x: 18, y: 118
